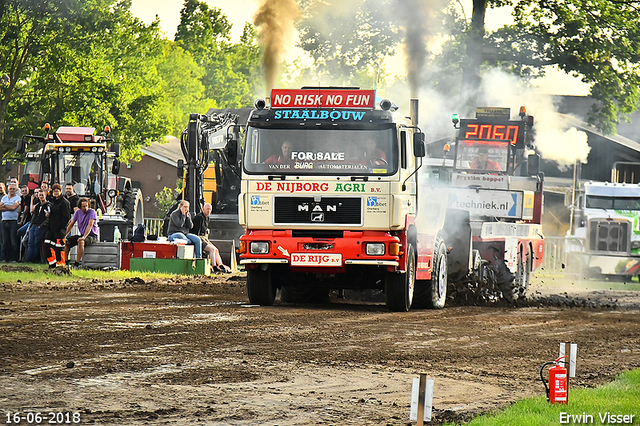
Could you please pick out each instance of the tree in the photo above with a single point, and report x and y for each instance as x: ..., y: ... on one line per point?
x: 598, y: 41
x: 348, y: 39
x: 98, y: 67
x: 181, y: 86
x: 228, y: 69
x: 24, y: 34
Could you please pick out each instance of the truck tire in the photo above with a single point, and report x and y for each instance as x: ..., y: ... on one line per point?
x: 432, y: 294
x: 260, y: 288
x: 399, y: 287
x: 526, y: 277
x: 133, y: 209
x: 514, y: 288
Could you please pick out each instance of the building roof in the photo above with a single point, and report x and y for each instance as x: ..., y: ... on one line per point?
x: 619, y: 139
x: 168, y: 152
x: 579, y: 107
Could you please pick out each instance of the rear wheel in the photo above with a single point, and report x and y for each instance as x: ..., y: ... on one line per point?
x: 526, y: 278
x: 432, y: 293
x: 399, y: 287
x: 515, y: 288
x: 260, y: 288
x: 133, y: 210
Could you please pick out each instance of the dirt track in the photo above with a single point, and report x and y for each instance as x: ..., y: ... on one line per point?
x: 192, y: 350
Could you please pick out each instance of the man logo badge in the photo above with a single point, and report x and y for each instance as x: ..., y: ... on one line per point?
x: 317, y: 217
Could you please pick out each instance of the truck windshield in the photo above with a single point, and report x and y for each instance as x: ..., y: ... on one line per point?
x: 320, y: 151
x: 482, y: 156
x: 83, y: 170
x: 617, y: 203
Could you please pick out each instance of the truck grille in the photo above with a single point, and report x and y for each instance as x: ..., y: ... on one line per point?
x: 609, y: 236
x: 324, y: 211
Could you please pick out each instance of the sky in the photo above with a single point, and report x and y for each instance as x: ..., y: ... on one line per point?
x: 241, y: 11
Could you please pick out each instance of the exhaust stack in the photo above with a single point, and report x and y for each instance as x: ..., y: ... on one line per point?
x: 414, y: 112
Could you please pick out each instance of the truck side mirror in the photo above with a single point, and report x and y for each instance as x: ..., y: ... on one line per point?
x: 418, y: 144
x: 115, y: 168
x: 21, y: 147
x: 533, y: 164
x: 45, y: 166
x: 181, y: 169
x: 8, y: 166
x: 115, y: 148
x: 232, y: 151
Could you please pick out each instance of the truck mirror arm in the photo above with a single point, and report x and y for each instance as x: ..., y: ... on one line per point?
x: 404, y: 184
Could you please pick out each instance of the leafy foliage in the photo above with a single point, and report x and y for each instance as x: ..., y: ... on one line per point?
x: 598, y: 41
x: 165, y: 199
x: 230, y: 71
x: 347, y: 39
x: 91, y: 63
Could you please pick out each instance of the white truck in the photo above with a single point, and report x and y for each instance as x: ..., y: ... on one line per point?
x: 607, y: 230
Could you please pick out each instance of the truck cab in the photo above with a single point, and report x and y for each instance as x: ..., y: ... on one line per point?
x: 329, y: 195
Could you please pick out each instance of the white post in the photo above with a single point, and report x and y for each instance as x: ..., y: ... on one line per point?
x: 421, y: 399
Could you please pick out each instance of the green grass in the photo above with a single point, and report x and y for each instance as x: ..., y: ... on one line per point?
x: 552, y: 280
x: 42, y: 274
x: 621, y: 396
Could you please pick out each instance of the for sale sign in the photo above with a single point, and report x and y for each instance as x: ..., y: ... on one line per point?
x: 322, y: 98
x: 316, y: 259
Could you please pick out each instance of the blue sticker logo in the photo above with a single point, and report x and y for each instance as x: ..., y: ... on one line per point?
x: 255, y: 200
x: 372, y: 201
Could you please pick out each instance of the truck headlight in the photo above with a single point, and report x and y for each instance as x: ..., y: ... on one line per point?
x: 259, y: 247
x: 374, y: 249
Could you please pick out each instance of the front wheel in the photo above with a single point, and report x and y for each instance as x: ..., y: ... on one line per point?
x: 432, y: 293
x: 260, y: 288
x: 399, y: 287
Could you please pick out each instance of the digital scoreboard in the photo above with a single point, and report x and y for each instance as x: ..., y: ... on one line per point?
x: 492, y: 130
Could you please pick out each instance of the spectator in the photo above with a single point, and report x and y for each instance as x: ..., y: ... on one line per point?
x: 87, y: 221
x: 38, y: 227
x: 179, y: 225
x: 44, y: 186
x: 24, y: 218
x: 3, y: 192
x: 25, y: 210
x: 72, y: 197
x: 201, y: 229
x: 58, y: 218
x: 10, y: 208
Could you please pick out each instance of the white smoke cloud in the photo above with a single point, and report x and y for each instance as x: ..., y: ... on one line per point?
x: 555, y: 139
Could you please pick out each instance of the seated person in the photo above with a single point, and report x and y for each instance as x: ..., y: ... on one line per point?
x: 179, y: 225
x: 284, y: 157
x: 201, y: 229
x: 375, y: 156
x: 87, y: 220
x: 482, y: 162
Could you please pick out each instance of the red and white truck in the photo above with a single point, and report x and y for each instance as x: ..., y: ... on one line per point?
x: 331, y: 199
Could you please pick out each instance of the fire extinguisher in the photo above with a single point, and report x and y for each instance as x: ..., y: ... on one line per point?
x: 557, y: 391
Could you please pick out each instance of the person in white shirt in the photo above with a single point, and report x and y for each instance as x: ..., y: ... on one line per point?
x: 9, y: 206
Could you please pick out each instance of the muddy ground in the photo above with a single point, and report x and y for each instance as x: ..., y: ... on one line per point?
x: 193, y: 350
